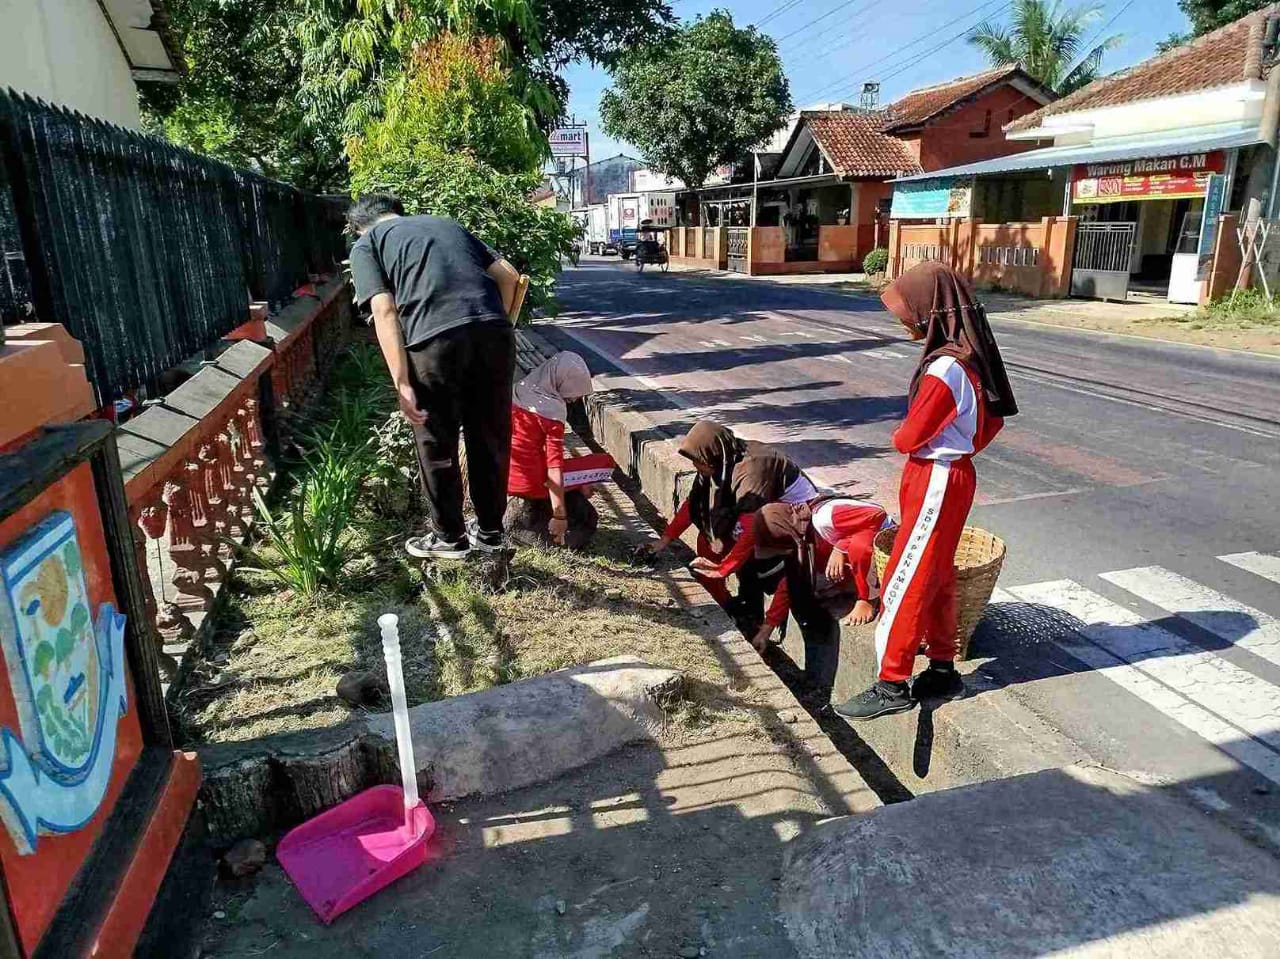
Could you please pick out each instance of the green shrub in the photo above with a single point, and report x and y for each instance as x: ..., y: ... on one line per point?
x: 1244, y: 307
x: 875, y: 261
x: 309, y: 535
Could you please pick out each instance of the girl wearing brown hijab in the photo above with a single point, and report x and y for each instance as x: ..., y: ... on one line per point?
x: 829, y: 575
x: 735, y: 478
x: 957, y: 402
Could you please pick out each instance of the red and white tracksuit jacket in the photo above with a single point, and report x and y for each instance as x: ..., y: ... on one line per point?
x: 847, y: 525
x: 946, y: 424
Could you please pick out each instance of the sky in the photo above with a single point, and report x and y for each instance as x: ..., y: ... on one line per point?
x: 830, y: 47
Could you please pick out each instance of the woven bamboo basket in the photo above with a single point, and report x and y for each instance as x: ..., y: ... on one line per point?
x: 979, y: 558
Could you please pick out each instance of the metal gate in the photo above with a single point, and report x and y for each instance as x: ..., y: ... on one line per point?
x: 736, y: 248
x: 1100, y: 266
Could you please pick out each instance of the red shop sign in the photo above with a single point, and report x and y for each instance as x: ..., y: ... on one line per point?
x: 1156, y: 178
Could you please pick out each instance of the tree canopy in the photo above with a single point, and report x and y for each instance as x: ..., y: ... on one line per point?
x: 1049, y: 41
x: 239, y: 101
x: 353, y: 48
x: 454, y: 94
x: 703, y: 98
x: 278, y: 85
x: 1207, y: 15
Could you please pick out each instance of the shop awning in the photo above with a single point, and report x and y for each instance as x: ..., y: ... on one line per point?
x: 1117, y: 148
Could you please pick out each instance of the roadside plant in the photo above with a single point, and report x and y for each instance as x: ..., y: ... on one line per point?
x: 309, y: 534
x: 875, y: 261
x: 491, y: 204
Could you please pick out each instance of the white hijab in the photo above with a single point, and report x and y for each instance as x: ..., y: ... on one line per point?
x: 549, y: 388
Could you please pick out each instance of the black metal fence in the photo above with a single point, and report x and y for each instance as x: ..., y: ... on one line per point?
x: 145, y: 252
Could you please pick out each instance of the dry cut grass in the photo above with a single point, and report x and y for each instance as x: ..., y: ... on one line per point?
x: 277, y: 657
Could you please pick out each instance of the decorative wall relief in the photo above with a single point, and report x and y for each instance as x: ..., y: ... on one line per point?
x: 67, y: 673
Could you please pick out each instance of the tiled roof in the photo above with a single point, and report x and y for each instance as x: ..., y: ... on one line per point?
x: 921, y: 105
x: 1227, y: 56
x: 857, y: 146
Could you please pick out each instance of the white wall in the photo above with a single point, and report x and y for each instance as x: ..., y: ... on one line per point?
x: 64, y: 51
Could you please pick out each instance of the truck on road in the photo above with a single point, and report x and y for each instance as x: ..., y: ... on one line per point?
x: 627, y: 211
x: 597, y: 220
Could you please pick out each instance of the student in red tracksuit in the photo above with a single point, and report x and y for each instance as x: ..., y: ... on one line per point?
x: 829, y: 575
x: 735, y: 478
x: 957, y: 402
x: 549, y: 494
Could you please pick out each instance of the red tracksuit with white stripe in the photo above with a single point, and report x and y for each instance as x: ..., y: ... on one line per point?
x: 849, y: 525
x: 946, y: 424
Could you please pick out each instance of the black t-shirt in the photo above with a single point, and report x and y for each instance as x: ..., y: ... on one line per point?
x: 434, y: 270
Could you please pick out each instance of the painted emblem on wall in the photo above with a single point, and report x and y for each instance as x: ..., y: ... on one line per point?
x: 68, y: 680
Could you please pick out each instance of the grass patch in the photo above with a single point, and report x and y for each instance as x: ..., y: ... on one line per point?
x: 281, y: 643
x: 1245, y: 310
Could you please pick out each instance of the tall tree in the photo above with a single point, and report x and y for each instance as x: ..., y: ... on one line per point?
x: 704, y: 98
x: 238, y: 101
x: 353, y: 48
x: 454, y: 95
x: 1207, y: 15
x: 1048, y: 41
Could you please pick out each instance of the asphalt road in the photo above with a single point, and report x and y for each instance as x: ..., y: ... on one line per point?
x: 1137, y: 490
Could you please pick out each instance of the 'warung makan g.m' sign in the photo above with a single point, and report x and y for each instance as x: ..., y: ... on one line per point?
x: 1149, y: 178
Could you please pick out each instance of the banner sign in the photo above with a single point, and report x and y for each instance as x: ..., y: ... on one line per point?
x: 569, y: 142
x: 1159, y: 178
x: 932, y: 199
x: 1213, y: 203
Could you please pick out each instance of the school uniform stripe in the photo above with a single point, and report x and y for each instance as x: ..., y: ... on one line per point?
x: 1187, y: 683
x: 895, y: 590
x: 1260, y: 564
x: 1232, y: 621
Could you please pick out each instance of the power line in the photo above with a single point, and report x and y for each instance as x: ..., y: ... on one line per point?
x: 776, y: 11
x: 801, y: 29
x: 1088, y: 44
x: 843, y: 82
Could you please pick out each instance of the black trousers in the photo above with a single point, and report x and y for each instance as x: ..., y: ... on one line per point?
x: 463, y: 381
x: 819, y: 628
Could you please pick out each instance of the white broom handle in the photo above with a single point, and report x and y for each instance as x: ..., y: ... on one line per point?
x: 389, y: 624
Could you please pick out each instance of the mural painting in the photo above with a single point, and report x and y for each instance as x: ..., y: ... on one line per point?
x: 67, y: 671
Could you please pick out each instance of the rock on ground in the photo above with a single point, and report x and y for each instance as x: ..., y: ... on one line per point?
x: 1078, y: 861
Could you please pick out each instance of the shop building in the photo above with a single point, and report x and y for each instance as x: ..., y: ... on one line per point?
x: 816, y: 199
x: 1137, y: 189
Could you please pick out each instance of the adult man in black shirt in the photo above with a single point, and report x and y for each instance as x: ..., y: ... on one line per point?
x: 440, y: 298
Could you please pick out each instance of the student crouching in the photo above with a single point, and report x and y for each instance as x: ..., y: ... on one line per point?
x: 550, y: 496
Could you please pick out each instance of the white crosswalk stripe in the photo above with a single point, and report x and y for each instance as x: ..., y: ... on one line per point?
x: 1261, y: 564
x: 1238, y: 624
x: 1224, y: 704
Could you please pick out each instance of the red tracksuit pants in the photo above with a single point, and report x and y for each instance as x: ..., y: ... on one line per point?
x: 919, y: 590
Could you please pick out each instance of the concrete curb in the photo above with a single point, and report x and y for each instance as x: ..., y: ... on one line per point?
x: 482, y: 743
x: 990, y: 735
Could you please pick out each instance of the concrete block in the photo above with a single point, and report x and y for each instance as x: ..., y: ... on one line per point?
x: 1079, y: 861
x: 534, y: 730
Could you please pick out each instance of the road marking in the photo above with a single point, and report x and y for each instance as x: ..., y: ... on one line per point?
x: 1260, y: 564
x: 755, y: 339
x: 838, y: 357
x: 1238, y: 624
x: 1225, y: 705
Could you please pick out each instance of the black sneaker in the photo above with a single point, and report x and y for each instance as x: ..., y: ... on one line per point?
x: 484, y: 540
x: 432, y: 546
x: 937, y: 683
x: 880, y: 699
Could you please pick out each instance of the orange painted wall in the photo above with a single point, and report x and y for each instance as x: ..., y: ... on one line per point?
x: 946, y: 141
x: 36, y: 883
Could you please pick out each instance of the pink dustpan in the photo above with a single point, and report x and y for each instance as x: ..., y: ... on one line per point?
x: 349, y: 852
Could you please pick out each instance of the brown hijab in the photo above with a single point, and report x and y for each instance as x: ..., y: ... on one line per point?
x: 941, y: 303
x: 784, y: 526
x: 745, y: 476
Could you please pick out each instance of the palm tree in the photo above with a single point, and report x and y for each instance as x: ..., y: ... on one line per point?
x: 1047, y: 41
